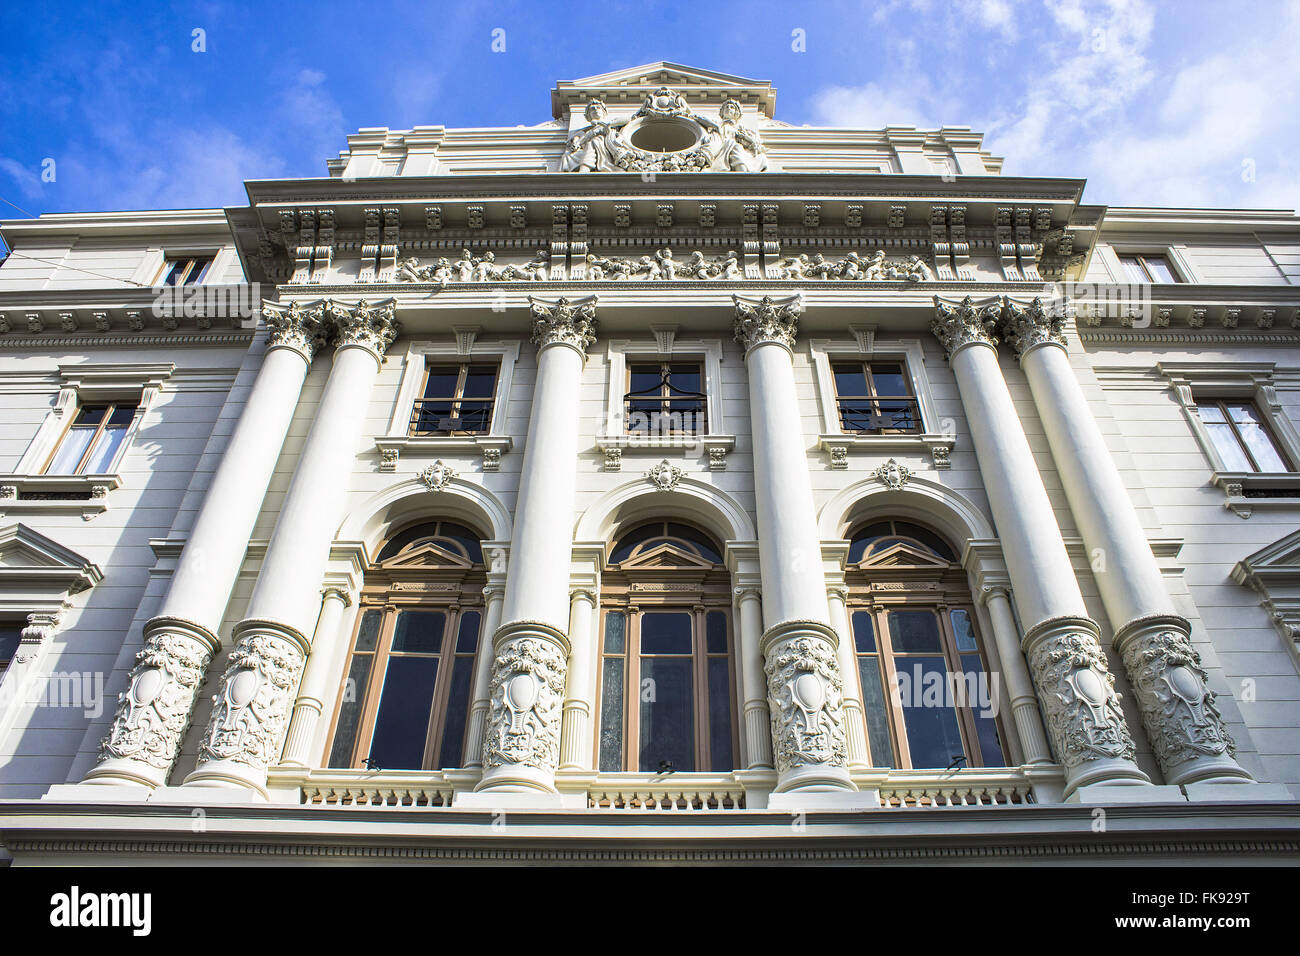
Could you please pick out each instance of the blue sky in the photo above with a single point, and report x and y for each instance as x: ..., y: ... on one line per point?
x: 1178, y: 103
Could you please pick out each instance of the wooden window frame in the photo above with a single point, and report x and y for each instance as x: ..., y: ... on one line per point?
x: 1142, y: 258
x: 110, y: 407
x: 874, y: 398
x: 1223, y: 405
x: 700, y: 657
x: 191, y: 262
x: 455, y: 399
x: 666, y: 396
x: 371, y: 696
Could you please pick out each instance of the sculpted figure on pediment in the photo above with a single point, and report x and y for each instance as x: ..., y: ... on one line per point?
x: 595, y: 146
x: 734, y: 146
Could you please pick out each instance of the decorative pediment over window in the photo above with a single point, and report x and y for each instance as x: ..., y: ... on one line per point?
x: 427, y: 557
x: 903, y: 555
x: 666, y: 556
x: 1274, y: 572
x: 38, y: 571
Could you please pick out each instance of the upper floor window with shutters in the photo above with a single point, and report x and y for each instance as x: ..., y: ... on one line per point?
x: 456, y: 400
x: 875, y: 398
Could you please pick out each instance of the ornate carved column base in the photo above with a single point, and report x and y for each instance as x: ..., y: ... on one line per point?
x: 1078, y: 697
x: 155, y: 711
x: 251, y: 710
x: 1178, y: 710
x: 804, y: 692
x: 521, y: 748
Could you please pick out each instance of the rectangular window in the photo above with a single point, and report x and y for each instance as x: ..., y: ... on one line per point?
x: 1240, y: 436
x: 665, y: 398
x: 875, y: 398
x: 92, y: 441
x: 185, y: 271
x: 11, y: 633
x: 456, y: 400
x: 1147, y: 268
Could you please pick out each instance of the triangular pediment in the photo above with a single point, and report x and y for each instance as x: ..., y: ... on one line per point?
x: 26, y: 554
x: 631, y: 84
x: 903, y: 555
x: 1277, y: 563
x: 427, y: 556
x: 664, y: 556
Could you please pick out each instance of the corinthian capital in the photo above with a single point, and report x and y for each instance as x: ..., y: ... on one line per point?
x: 564, y: 323
x: 296, y: 326
x: 372, y: 327
x: 767, y: 320
x: 1026, y: 326
x: 964, y: 323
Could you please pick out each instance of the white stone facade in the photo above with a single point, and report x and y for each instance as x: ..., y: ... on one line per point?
x: 1135, y: 591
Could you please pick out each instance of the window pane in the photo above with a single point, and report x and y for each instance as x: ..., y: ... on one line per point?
x: 863, y: 539
x: 480, y: 381
x: 716, y: 627
x: 864, y: 632
x: 983, y: 706
x: 198, y: 271
x: 850, y: 380
x: 874, y: 705
x: 442, y: 381
x: 685, y: 378
x: 927, y: 538
x: 933, y: 734
x: 889, y: 379
x: 467, y: 639
x: 453, y: 732
x: 615, y: 632
x: 633, y: 538
x: 1133, y: 267
x: 122, y: 415
x: 665, y: 633
x: 719, y: 714
x: 667, y: 713
x: 701, y: 541
x: 10, y: 635
x: 419, y: 632
x: 402, y: 723
x: 1229, y: 449
x: 645, y: 379
x: 611, y: 713
x: 368, y: 632
x: 1210, y: 413
x: 70, y: 451
x: 1158, y: 267
x: 345, y: 734
x: 101, y: 458
x: 962, y: 630
x: 1257, y: 438
x: 913, y: 631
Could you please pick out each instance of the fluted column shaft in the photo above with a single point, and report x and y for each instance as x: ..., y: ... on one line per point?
x: 577, y: 747
x: 758, y: 720
x: 152, y: 716
x: 1020, y: 688
x: 1153, y: 640
x: 245, y: 732
x: 799, y: 645
x: 854, y: 714
x: 328, y: 646
x: 1061, y: 642
x: 522, y: 746
x: 493, y: 594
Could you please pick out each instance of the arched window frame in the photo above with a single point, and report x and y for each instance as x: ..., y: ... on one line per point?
x: 667, y: 574
x: 430, y: 574
x: 908, y: 574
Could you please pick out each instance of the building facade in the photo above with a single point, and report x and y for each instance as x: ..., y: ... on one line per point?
x: 663, y: 482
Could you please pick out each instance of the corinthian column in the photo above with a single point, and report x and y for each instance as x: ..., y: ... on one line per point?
x: 247, y: 726
x: 1153, y: 640
x: 152, y: 716
x: 1060, y: 641
x: 803, y: 677
x: 521, y: 748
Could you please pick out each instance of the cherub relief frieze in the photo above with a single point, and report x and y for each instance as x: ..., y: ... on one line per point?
x: 664, y: 265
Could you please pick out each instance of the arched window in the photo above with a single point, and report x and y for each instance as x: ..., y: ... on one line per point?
x: 404, y: 704
x: 668, y: 676
x: 929, y: 699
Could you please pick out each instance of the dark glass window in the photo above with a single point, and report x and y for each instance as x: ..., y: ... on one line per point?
x: 875, y: 398
x: 457, y: 400
x: 666, y: 398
